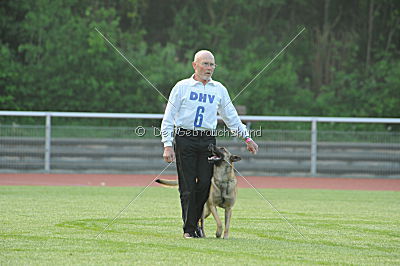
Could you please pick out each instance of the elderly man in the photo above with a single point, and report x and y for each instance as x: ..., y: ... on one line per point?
x: 192, y: 108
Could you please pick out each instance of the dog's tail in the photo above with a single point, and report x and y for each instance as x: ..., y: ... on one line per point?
x: 167, y: 182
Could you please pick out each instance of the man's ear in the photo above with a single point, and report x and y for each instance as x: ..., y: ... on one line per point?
x: 235, y: 158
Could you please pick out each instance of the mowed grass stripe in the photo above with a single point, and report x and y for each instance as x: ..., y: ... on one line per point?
x: 48, y: 225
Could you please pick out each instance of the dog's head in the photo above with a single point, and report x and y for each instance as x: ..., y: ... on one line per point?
x: 220, y: 155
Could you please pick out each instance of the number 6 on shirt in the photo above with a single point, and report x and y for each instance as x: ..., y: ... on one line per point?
x: 198, y: 120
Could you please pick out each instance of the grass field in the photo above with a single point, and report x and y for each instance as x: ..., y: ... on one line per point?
x: 58, y: 225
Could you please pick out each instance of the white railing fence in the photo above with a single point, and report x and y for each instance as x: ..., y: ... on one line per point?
x: 313, y: 141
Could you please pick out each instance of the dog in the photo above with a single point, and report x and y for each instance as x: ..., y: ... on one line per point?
x: 223, y: 189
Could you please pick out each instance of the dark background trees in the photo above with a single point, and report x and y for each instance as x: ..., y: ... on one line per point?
x: 346, y: 63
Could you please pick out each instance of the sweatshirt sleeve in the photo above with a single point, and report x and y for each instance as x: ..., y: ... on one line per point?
x: 168, y: 122
x: 230, y: 116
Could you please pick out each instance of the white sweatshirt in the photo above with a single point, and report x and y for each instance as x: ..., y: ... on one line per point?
x: 192, y: 105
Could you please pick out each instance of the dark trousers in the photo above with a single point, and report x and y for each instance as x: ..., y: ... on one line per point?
x: 194, y: 176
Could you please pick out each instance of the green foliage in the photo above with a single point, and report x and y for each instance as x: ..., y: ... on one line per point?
x: 346, y: 63
x: 8, y: 76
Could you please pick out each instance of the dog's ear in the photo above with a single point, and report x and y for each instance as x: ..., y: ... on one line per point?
x: 235, y: 158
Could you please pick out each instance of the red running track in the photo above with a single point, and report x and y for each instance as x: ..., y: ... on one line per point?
x: 144, y: 180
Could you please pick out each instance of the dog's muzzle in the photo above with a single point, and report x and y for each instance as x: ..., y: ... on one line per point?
x: 214, y: 158
x: 211, y: 147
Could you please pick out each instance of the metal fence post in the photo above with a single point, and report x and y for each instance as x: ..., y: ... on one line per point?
x: 47, y: 145
x: 248, y: 125
x: 313, y: 169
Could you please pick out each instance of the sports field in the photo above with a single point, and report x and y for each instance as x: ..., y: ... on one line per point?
x: 59, y: 225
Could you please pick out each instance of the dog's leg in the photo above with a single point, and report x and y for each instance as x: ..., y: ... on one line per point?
x: 228, y: 214
x: 206, y: 212
x: 202, y: 226
x: 214, y: 212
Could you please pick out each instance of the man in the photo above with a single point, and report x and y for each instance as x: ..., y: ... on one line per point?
x: 192, y: 108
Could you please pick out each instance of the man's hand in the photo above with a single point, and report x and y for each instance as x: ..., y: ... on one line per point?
x: 252, y: 147
x: 169, y: 154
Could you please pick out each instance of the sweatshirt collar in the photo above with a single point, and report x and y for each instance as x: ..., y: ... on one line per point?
x: 193, y: 82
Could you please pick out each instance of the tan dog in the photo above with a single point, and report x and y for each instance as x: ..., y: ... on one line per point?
x: 223, y: 188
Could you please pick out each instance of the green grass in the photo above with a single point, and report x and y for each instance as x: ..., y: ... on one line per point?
x: 58, y: 225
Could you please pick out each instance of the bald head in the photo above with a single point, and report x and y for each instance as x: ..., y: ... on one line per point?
x: 203, y: 65
x: 202, y: 54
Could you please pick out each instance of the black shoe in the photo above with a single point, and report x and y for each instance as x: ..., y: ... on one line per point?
x: 199, y: 232
x: 188, y: 235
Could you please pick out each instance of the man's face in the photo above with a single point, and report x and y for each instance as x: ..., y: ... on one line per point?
x: 204, y: 67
